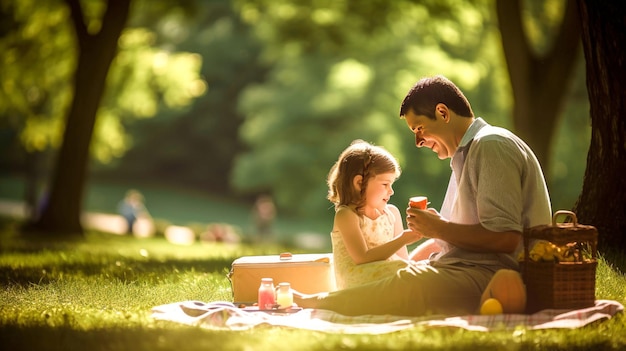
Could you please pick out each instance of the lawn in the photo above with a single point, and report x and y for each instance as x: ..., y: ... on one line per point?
x: 96, y: 294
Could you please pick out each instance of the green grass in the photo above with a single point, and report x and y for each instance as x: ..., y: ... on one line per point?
x: 97, y: 294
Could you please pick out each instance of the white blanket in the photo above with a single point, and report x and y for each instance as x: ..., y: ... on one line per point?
x: 223, y: 317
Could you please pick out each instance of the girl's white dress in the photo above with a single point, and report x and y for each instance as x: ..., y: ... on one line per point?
x: 376, y: 232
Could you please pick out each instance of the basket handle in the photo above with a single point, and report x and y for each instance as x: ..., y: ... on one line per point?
x: 565, y: 212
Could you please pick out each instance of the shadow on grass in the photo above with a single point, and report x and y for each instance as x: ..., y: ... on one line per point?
x: 166, y: 337
x: 42, y: 260
x: 125, y: 271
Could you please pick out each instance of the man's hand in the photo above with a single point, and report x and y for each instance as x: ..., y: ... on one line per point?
x: 471, y: 237
x: 424, y: 222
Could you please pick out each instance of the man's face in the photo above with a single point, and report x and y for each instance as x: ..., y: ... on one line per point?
x: 435, y: 134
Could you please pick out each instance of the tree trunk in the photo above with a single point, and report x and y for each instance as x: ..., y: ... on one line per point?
x: 539, y: 83
x: 61, y: 216
x: 602, y: 202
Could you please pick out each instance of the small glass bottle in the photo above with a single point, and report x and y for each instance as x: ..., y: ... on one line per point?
x: 267, y: 297
x: 284, y: 296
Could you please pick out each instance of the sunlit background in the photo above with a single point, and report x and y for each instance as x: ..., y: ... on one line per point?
x: 210, y: 104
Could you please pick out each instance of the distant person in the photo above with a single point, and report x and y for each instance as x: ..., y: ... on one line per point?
x: 42, y: 204
x: 131, y: 208
x: 368, y: 236
x: 264, y: 212
x: 220, y: 233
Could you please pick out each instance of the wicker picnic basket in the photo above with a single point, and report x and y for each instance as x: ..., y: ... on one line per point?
x: 560, y: 284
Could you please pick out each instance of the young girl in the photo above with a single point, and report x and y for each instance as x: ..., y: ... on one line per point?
x: 368, y: 239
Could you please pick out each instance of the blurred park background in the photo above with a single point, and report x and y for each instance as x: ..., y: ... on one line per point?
x: 211, y: 103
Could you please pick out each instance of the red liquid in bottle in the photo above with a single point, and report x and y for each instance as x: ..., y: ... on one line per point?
x: 267, y: 294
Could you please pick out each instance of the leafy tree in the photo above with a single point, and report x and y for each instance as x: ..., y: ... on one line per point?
x: 96, y: 51
x: 37, y: 89
x: 540, y: 72
x: 196, y: 146
x: 33, y: 96
x: 406, y: 40
x: 601, y: 202
x: 142, y: 79
x: 338, y: 76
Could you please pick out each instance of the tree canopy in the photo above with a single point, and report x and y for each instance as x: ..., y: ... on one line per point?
x: 240, y: 97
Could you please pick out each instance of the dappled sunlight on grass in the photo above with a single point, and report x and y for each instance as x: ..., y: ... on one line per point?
x: 98, y: 293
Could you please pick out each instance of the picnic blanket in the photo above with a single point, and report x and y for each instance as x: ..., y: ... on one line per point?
x: 222, y: 316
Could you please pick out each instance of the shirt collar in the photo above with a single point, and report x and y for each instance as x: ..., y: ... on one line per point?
x: 458, y: 159
x: 471, y: 132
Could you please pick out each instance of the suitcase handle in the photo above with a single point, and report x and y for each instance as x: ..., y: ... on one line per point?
x: 285, y: 256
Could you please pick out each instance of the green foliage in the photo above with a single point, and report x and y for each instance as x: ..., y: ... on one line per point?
x: 246, y: 96
x: 309, y: 26
x: 333, y: 80
x: 98, y: 293
x: 288, y: 129
x: 144, y: 79
x: 38, y: 59
x: 39, y: 63
x: 571, y: 145
x: 541, y: 20
x: 196, y: 146
x: 325, y: 90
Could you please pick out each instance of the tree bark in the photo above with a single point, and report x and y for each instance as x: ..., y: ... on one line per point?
x: 61, y: 216
x: 602, y: 202
x: 539, y: 82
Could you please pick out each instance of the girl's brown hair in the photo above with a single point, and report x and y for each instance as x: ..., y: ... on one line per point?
x: 360, y: 158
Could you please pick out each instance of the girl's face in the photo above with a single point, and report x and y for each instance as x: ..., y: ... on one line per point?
x: 379, y: 190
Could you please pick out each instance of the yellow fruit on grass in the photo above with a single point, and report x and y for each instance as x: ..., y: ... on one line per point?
x: 507, y: 286
x: 491, y: 306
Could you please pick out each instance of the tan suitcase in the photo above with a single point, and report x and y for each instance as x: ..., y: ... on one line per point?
x: 307, y: 273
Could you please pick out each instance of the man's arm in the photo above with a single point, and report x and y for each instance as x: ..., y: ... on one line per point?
x: 471, y: 237
x: 424, y: 250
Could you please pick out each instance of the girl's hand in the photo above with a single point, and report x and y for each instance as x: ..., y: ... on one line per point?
x: 410, y: 236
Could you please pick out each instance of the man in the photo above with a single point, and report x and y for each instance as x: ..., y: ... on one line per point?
x: 496, y: 190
